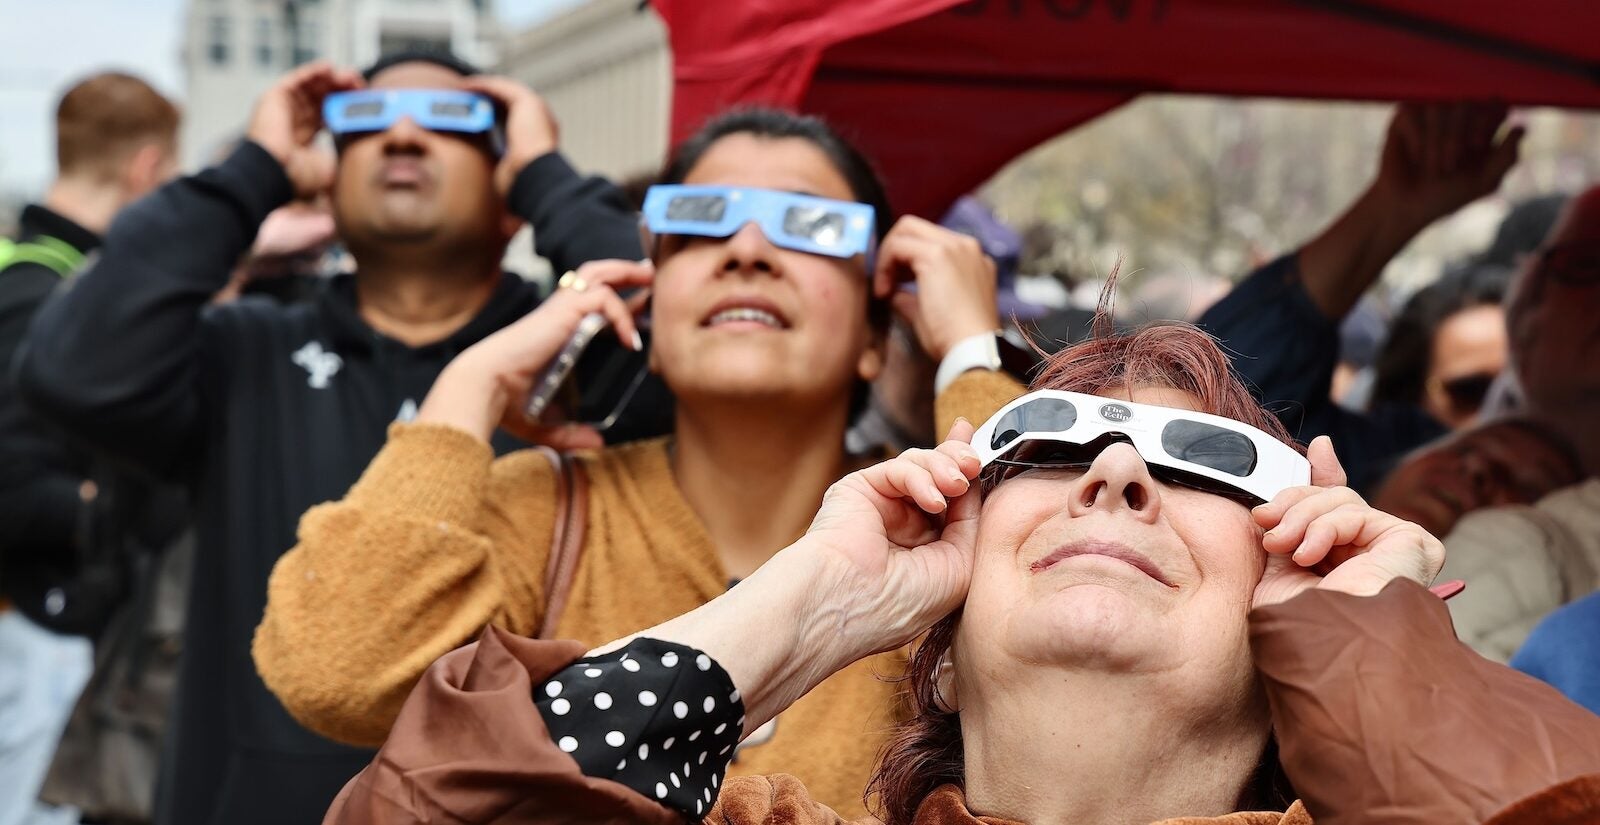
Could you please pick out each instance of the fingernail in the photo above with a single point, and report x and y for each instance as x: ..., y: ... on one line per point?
x: 638, y: 342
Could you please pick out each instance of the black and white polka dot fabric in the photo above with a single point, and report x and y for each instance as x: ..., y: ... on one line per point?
x: 661, y: 718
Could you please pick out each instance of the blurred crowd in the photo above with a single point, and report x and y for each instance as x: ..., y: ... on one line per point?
x: 265, y: 450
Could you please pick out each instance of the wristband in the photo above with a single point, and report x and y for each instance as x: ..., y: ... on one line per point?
x: 976, y: 352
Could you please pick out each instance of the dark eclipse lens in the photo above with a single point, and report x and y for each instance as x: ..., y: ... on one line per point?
x: 1042, y: 415
x: 1209, y: 446
x: 449, y: 109
x: 364, y: 108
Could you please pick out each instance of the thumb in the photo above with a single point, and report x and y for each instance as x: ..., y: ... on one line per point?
x: 1504, y: 157
x: 961, y: 431
x: 1326, y: 471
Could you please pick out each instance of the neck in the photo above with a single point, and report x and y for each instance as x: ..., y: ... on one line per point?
x: 418, y: 307
x: 755, y: 473
x: 1095, y: 754
x: 87, y: 203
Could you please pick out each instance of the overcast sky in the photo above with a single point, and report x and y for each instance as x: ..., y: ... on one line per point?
x: 46, y: 44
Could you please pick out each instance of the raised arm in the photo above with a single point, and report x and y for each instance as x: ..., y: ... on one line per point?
x: 433, y: 543
x: 1378, y: 707
x: 1436, y: 159
x: 643, y: 729
x: 1375, y: 704
x: 116, y: 359
x: 575, y: 219
x: 1281, y: 322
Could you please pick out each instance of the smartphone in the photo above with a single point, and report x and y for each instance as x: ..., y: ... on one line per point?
x: 554, y: 377
x: 593, y: 378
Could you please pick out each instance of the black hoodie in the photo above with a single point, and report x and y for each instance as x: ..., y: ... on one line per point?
x: 264, y: 410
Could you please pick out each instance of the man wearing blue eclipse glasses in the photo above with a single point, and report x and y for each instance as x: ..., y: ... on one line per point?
x: 266, y: 411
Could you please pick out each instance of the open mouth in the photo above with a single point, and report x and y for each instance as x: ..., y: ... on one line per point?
x: 745, y: 313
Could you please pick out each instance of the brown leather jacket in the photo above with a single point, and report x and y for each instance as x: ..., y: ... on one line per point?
x: 1381, y: 715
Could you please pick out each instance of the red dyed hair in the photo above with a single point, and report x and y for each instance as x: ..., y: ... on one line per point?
x: 925, y: 751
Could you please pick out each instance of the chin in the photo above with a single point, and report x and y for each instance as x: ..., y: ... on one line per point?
x: 1088, y: 623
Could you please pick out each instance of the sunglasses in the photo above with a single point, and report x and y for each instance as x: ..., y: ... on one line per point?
x: 437, y: 110
x: 1052, y: 429
x: 804, y: 223
x: 1467, y: 393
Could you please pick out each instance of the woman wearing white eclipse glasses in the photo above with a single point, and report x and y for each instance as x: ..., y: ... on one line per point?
x: 1137, y: 603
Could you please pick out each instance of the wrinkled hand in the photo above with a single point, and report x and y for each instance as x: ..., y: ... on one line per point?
x: 955, y: 283
x: 892, y: 545
x: 530, y: 129
x: 485, y: 386
x: 289, y: 115
x: 1439, y: 157
x: 1325, y: 536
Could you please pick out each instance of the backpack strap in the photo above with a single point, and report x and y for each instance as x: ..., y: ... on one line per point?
x: 566, y: 544
x: 57, y: 255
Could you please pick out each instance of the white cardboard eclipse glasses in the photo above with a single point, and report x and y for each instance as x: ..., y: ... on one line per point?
x: 1211, y: 448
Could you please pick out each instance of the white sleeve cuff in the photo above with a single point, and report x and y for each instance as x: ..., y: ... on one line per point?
x: 977, y: 352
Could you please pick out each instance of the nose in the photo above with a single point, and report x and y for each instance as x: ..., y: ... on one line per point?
x: 748, y: 250
x: 404, y: 136
x: 1118, y: 479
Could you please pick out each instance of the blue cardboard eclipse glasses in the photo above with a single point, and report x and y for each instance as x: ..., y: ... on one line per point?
x: 437, y: 110
x: 822, y: 226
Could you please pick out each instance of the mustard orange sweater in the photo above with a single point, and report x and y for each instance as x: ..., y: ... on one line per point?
x: 438, y: 539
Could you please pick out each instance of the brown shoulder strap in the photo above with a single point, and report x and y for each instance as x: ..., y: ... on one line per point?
x: 566, y: 544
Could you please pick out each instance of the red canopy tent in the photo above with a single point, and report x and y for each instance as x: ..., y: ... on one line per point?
x: 942, y: 93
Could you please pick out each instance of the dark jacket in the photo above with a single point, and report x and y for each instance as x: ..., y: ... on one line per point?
x: 263, y: 411
x: 1286, y: 349
x: 67, y: 559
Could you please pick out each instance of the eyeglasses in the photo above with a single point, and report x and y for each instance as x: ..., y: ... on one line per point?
x: 437, y: 110
x: 1052, y: 429
x: 822, y: 226
x: 1466, y: 393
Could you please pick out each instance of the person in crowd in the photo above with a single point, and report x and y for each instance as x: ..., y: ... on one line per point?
x: 1282, y: 320
x: 1563, y: 651
x: 1110, y: 638
x: 1523, y: 562
x: 263, y: 410
x: 106, y: 765
x: 69, y: 525
x: 768, y: 341
x: 899, y: 413
x: 1446, y: 346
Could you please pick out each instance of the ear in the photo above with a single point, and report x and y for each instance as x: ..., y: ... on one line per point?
x: 944, y: 686
x: 145, y: 170
x: 870, y: 365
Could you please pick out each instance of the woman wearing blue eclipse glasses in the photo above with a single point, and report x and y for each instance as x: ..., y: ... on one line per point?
x: 774, y: 268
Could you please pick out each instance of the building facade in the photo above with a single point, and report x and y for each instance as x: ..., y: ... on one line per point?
x: 606, y: 71
x: 234, y: 49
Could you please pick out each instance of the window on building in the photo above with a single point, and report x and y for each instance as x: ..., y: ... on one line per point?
x: 307, y: 44
x: 217, y: 37
x: 264, y: 27
x: 390, y: 42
